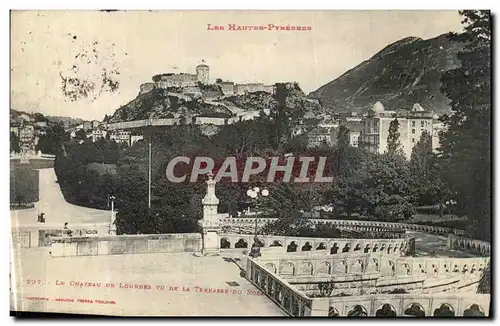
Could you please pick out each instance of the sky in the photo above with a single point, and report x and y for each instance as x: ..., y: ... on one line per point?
x: 132, y: 46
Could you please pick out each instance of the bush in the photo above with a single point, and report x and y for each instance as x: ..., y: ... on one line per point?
x: 23, y: 185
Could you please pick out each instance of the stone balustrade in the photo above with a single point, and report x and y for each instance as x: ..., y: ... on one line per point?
x: 293, y: 302
x: 377, y: 264
x: 470, y: 245
x: 411, y: 305
x: 405, y: 246
x: 352, y: 225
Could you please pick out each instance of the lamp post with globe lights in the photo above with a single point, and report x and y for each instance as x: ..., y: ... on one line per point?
x: 254, y: 195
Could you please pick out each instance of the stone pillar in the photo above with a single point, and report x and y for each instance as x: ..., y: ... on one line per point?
x: 210, y: 223
x: 319, y: 308
x: 450, y: 241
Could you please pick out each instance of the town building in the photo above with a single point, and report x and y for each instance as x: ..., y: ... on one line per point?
x: 135, y: 138
x: 27, y: 136
x: 120, y: 136
x: 42, y: 124
x: 412, y: 123
x: 14, y: 130
x: 97, y: 134
x: 321, y: 136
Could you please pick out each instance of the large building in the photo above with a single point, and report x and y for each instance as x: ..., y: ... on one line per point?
x: 27, y: 134
x: 202, y: 73
x: 321, y: 136
x: 412, y: 124
x: 169, y: 80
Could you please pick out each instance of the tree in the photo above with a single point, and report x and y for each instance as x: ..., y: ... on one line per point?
x: 465, y: 145
x: 14, y: 143
x: 393, y: 143
x: 426, y: 170
x: 81, y: 135
x: 51, y: 142
x: 343, y: 137
x: 381, y: 187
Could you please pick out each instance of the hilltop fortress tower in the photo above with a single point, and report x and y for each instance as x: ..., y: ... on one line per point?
x: 202, y: 73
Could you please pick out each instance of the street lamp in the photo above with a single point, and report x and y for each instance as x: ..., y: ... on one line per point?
x: 254, y: 194
x: 111, y: 224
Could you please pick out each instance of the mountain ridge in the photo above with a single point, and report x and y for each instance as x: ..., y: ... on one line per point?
x: 403, y: 73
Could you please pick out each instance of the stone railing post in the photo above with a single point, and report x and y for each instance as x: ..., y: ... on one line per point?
x: 319, y: 307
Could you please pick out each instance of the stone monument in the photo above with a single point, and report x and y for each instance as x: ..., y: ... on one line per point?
x: 210, y: 223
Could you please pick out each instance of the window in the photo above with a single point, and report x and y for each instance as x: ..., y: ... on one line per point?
x: 413, y: 131
x: 413, y: 123
x: 413, y: 140
x: 422, y: 123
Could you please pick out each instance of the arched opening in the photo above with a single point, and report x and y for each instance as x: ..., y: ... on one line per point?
x: 357, y: 267
x: 332, y: 312
x: 288, y: 269
x: 341, y: 267
x: 474, y: 311
x: 415, y: 310
x: 260, y: 243
x: 386, y: 311
x: 367, y: 248
x: 334, y: 249
x: 241, y: 244
x: 321, y: 246
x: 276, y: 243
x: 346, y: 248
x: 445, y: 310
x: 389, y: 249
x: 291, y: 247
x: 357, y: 248
x: 357, y: 311
x: 307, y: 269
x: 306, y: 247
x: 270, y: 267
x: 325, y: 268
x: 375, y: 248
x: 225, y: 244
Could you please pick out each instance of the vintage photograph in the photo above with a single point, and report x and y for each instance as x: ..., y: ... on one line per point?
x: 251, y: 163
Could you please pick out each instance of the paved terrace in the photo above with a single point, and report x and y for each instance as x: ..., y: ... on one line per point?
x: 213, y: 297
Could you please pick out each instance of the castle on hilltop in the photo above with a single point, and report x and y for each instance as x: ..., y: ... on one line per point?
x: 190, y: 81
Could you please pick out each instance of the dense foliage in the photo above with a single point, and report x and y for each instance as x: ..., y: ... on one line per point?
x: 466, y: 144
x: 380, y: 186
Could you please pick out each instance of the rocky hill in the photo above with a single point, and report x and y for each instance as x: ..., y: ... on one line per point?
x: 160, y: 103
x: 296, y: 101
x: 403, y: 73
